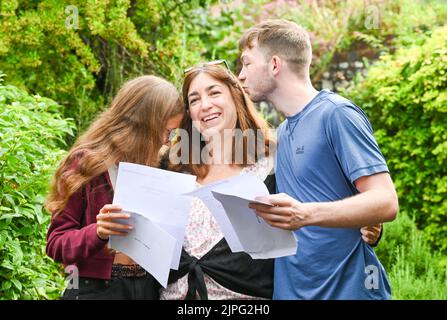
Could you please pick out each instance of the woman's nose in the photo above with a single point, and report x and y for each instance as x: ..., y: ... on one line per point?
x: 205, y: 103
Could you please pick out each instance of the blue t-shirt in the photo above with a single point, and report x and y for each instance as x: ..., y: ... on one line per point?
x: 322, y: 150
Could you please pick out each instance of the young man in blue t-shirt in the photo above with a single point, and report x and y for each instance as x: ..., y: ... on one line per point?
x: 331, y: 176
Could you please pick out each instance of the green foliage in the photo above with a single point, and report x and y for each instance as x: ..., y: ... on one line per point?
x: 405, y: 97
x: 220, y: 27
x: 336, y: 25
x: 38, y: 52
x: 400, y: 21
x: 31, y: 136
x: 80, y: 52
x: 415, y: 272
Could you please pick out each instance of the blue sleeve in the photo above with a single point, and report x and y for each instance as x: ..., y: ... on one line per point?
x: 351, y: 136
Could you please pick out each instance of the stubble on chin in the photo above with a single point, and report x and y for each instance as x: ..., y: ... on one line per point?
x: 264, y: 89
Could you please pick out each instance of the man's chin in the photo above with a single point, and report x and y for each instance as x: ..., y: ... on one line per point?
x: 256, y: 99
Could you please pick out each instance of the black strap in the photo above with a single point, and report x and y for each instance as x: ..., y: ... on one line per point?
x: 270, y: 182
x: 235, y: 271
x: 196, y: 281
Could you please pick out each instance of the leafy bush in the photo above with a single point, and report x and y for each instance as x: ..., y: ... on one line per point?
x: 415, y: 272
x: 405, y: 96
x: 79, y: 53
x: 31, y: 136
x: 336, y: 25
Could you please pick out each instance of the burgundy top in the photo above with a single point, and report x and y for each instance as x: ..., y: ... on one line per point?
x: 72, y: 238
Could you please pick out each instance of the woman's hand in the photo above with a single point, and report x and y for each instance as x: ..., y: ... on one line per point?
x: 371, y: 234
x: 105, y: 225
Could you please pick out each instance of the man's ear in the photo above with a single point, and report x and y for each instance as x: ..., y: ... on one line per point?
x: 276, y: 65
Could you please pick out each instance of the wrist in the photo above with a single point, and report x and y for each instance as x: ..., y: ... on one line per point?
x: 311, y: 214
x: 101, y: 238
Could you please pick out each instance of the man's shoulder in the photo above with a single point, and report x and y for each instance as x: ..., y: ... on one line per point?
x: 328, y: 103
x: 337, y: 105
x: 337, y: 100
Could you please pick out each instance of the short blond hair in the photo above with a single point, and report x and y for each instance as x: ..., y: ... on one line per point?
x: 283, y: 38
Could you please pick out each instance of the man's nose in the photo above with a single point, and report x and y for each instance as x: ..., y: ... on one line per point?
x: 241, y: 76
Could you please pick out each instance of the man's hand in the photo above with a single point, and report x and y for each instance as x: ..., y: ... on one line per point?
x: 285, y: 212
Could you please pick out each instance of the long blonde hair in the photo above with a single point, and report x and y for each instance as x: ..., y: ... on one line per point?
x: 130, y: 130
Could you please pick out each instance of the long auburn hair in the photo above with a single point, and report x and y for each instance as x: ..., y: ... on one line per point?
x: 247, y: 118
x: 130, y: 130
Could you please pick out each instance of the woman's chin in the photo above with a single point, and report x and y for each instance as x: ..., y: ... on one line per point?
x: 211, y: 132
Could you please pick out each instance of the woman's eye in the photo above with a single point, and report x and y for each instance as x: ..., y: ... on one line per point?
x: 191, y: 102
x: 215, y: 93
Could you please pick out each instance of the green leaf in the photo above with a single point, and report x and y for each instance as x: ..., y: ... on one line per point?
x: 6, y: 285
x: 3, y: 238
x: 7, y: 264
x: 17, y: 284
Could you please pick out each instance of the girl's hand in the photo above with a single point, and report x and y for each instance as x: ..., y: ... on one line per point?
x: 371, y: 234
x: 105, y: 225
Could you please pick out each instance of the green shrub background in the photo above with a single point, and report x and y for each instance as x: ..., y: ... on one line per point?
x: 80, y: 69
x: 405, y: 97
x: 32, y: 134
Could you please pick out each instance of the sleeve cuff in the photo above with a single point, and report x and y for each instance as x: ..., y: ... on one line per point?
x: 368, y: 171
x: 93, y: 238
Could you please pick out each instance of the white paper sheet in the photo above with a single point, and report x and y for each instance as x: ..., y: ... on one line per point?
x: 258, y: 239
x: 218, y: 212
x: 161, y: 201
x: 157, y: 195
x: 148, y: 245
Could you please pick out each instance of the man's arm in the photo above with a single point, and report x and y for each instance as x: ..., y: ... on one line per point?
x: 376, y: 203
